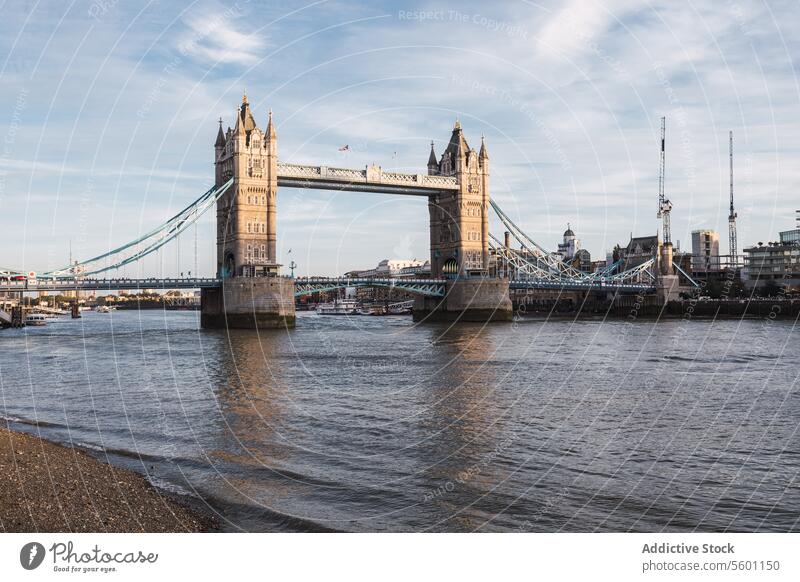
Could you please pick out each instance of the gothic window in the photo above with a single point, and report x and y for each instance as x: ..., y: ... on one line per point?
x: 263, y: 200
x: 249, y: 251
x: 263, y: 229
x: 263, y: 254
x: 248, y: 227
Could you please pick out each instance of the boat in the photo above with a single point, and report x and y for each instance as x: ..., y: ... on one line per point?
x: 102, y: 309
x: 36, y: 319
x: 338, y: 307
x: 403, y: 308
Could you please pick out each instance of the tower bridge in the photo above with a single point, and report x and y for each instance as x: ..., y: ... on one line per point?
x: 471, y: 271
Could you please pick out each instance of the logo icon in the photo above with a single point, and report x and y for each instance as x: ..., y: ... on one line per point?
x: 31, y: 555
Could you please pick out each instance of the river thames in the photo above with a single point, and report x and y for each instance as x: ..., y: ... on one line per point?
x: 378, y: 424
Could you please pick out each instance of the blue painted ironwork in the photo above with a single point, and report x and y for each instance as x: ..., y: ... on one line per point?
x: 147, y: 243
x: 309, y: 285
x: 610, y: 286
x: 114, y: 284
x: 685, y: 274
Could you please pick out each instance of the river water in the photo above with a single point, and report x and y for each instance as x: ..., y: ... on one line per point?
x: 377, y: 424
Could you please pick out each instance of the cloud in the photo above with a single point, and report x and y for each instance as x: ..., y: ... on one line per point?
x: 214, y: 38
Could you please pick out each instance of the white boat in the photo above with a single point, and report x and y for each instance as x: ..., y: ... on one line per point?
x: 338, y: 307
x: 36, y: 319
x: 102, y: 309
x: 403, y: 308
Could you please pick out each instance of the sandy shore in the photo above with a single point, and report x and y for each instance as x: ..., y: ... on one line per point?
x: 50, y: 488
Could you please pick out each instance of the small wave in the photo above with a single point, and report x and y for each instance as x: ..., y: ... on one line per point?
x: 89, y: 446
x: 169, y: 486
x: 31, y: 422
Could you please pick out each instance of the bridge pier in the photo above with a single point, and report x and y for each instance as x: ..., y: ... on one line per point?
x: 249, y: 303
x: 481, y: 300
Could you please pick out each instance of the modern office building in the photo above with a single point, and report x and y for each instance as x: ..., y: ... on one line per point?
x: 705, y: 251
x: 776, y: 262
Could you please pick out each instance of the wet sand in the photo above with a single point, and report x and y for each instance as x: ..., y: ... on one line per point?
x: 46, y: 487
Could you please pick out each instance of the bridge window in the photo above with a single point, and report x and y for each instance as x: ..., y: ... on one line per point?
x: 263, y: 254
x: 248, y: 227
x: 249, y: 251
x: 263, y: 200
x: 263, y: 228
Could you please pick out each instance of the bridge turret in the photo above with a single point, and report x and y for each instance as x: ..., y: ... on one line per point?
x: 433, y: 165
x: 483, y: 156
x: 271, y: 174
x: 219, y: 148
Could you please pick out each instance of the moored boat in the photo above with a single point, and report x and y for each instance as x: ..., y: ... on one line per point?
x: 36, y: 319
x: 338, y: 307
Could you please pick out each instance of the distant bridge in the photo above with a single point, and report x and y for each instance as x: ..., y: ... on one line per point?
x: 430, y: 287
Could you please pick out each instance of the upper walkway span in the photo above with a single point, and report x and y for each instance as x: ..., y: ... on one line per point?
x: 371, y: 179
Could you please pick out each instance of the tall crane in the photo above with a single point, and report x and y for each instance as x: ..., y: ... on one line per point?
x: 732, y: 244
x: 664, y: 205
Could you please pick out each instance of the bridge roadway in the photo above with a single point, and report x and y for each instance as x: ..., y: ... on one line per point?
x: 108, y: 284
x: 306, y: 285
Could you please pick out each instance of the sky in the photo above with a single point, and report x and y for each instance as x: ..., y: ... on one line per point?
x: 108, y: 116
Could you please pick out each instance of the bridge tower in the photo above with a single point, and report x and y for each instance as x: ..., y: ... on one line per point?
x: 252, y: 294
x: 459, y: 235
x: 247, y: 214
x: 459, y: 220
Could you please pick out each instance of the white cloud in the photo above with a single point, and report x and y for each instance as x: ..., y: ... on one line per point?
x: 213, y: 37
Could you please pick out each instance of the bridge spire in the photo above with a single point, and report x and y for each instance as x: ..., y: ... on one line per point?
x: 220, y: 143
x: 244, y: 118
x: 270, y: 127
x: 458, y: 146
x: 483, y: 155
x: 433, y: 165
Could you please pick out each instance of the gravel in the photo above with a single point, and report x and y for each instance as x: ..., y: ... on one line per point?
x: 46, y: 487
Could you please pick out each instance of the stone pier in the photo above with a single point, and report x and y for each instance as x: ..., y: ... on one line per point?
x: 481, y: 300
x: 249, y: 303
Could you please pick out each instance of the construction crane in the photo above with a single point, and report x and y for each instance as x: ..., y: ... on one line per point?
x: 664, y: 205
x: 732, y: 244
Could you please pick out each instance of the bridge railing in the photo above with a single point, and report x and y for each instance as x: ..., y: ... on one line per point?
x: 369, y: 175
x: 110, y: 284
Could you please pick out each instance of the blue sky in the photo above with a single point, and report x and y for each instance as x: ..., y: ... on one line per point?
x: 109, y: 116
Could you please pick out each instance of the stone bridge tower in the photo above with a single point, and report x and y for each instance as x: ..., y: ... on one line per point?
x: 246, y: 213
x: 459, y: 231
x: 251, y: 295
x: 459, y: 220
